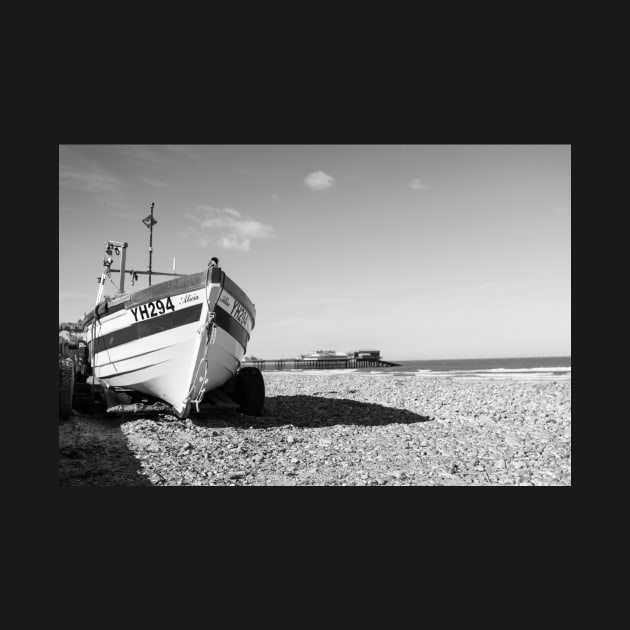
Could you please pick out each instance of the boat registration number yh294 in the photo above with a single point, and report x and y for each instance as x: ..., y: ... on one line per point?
x: 231, y: 305
x: 152, y: 309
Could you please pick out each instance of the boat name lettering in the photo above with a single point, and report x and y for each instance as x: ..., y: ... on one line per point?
x: 184, y: 299
x: 152, y: 309
x: 240, y: 314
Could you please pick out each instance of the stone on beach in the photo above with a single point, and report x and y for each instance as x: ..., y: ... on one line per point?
x: 346, y: 429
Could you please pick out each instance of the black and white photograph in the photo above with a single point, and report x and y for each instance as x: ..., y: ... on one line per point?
x: 314, y: 315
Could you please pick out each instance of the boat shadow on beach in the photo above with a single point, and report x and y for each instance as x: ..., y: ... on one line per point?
x: 93, y: 451
x: 314, y: 411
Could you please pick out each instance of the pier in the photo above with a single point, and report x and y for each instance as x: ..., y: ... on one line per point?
x: 316, y: 364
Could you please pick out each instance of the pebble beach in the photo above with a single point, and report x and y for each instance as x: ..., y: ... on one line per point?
x: 340, y: 429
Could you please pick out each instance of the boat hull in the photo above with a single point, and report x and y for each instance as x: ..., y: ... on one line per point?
x: 174, y: 341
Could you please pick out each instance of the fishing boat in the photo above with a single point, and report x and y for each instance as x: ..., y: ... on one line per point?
x: 175, y: 341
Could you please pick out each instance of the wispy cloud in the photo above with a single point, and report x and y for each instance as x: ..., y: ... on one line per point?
x: 89, y: 176
x: 149, y: 155
x: 319, y: 180
x: 163, y: 155
x: 154, y: 182
x: 416, y: 184
x: 228, y: 228
x: 186, y: 151
x: 89, y: 182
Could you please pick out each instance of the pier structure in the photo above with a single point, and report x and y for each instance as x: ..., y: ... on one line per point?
x: 316, y: 364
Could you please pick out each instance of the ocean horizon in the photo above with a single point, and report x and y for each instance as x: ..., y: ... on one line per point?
x: 521, y: 368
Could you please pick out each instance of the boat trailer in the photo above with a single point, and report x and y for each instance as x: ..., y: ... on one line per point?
x: 80, y: 392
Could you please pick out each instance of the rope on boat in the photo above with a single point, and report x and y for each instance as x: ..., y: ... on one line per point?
x: 210, y: 339
x: 115, y: 287
x: 93, y: 329
x: 211, y: 334
x: 202, y: 390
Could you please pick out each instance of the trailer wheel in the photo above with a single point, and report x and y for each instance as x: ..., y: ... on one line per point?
x: 66, y: 387
x: 250, y: 386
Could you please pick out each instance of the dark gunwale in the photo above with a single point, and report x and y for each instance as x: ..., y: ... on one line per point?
x: 190, y: 282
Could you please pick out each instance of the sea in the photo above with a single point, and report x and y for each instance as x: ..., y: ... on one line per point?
x: 511, y: 368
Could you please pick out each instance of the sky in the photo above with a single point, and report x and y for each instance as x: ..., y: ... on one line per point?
x: 419, y: 251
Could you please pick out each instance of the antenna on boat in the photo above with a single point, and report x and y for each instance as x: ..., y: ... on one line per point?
x: 150, y: 222
x: 121, y: 248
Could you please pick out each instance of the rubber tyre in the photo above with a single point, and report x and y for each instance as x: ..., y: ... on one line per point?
x: 250, y: 386
x: 66, y: 387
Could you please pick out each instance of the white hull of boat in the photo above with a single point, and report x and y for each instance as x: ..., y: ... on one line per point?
x: 173, y: 354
